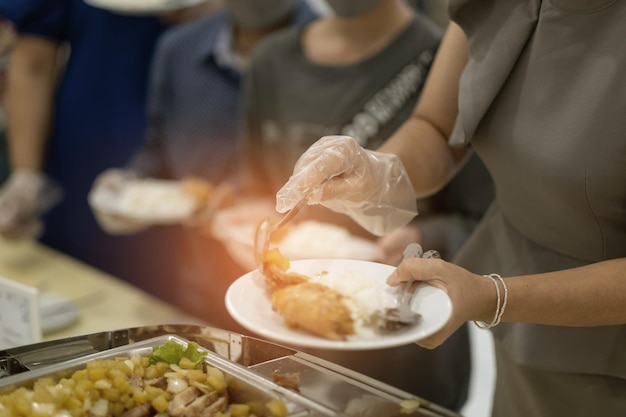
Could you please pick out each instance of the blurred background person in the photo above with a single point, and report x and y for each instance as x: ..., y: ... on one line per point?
x: 7, y: 39
x: 359, y: 72
x: 194, y: 101
x: 358, y: 77
x: 75, y: 101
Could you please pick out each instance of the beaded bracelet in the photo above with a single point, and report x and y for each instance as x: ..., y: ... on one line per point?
x: 499, y: 307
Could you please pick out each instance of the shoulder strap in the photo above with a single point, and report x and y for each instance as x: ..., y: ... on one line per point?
x: 385, y: 103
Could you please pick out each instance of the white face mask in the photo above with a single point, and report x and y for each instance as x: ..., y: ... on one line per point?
x: 351, y: 8
x: 259, y: 14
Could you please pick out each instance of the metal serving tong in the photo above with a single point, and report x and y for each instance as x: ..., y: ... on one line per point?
x: 265, y: 229
x: 401, y: 316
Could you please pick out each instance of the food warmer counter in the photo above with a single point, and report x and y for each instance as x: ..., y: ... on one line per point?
x: 323, y: 389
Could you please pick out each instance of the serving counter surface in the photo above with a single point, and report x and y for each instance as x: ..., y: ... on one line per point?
x: 103, y: 301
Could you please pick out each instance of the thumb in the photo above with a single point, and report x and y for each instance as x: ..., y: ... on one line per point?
x: 289, y: 195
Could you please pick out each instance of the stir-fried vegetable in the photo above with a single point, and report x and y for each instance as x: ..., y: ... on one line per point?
x: 172, y: 382
x: 172, y: 352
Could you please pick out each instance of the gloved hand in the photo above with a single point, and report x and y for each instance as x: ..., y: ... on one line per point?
x: 24, y: 197
x: 373, y: 188
x: 103, y: 192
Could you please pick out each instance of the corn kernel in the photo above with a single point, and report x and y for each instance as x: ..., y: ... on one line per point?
x: 276, y: 408
x: 140, y: 397
x: 186, y: 363
x: 154, y: 392
x: 256, y: 407
x: 196, y: 375
x: 217, y: 383
x: 160, y: 404
x: 239, y: 410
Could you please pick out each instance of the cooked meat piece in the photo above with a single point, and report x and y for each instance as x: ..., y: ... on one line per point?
x: 205, y: 405
x: 135, y: 381
x: 201, y: 406
x: 178, y: 404
x: 160, y: 382
x: 144, y: 410
x: 219, y: 405
x: 275, y: 267
x: 314, y: 308
x: 289, y: 380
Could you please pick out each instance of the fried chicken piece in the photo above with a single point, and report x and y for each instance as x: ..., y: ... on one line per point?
x: 274, y: 269
x: 314, y: 308
x: 290, y: 380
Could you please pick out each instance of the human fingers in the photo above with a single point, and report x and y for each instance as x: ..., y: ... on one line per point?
x: 464, y: 288
x: 17, y: 208
x: 26, y: 229
x: 440, y: 274
x: 318, y: 167
x: 470, y: 294
x: 419, y: 269
x: 8, y: 212
x: 112, y: 179
x: 330, y: 155
x: 438, y: 338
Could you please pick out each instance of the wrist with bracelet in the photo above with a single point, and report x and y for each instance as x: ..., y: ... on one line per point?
x: 501, y: 301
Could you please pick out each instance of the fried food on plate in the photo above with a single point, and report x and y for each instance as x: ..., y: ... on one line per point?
x: 274, y: 269
x: 315, y: 308
x: 304, y: 305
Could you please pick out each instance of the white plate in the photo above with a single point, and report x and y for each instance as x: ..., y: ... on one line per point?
x: 248, y: 303
x: 142, y: 7
x: 308, y: 239
x: 149, y: 200
x: 57, y: 313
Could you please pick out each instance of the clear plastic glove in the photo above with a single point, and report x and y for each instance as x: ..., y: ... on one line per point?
x: 373, y: 188
x: 105, y: 187
x: 24, y: 197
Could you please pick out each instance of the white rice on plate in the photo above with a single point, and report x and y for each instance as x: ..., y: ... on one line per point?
x: 314, y: 239
x: 155, y: 199
x: 364, y: 296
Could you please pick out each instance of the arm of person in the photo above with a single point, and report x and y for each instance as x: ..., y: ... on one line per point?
x: 30, y: 89
x: 592, y: 295
x: 338, y: 173
x: 422, y: 141
x: 560, y: 298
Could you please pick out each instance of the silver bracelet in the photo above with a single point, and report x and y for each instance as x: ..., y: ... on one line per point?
x: 499, y: 307
x: 506, y: 297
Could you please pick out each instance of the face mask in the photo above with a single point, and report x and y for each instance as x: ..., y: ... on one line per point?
x: 351, y: 8
x: 259, y: 14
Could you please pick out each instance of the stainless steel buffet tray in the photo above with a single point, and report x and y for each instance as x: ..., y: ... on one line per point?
x: 326, y: 389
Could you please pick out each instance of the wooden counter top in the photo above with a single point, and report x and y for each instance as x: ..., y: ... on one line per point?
x: 104, y: 302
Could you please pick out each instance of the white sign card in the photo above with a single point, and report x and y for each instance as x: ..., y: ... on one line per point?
x: 20, y: 322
